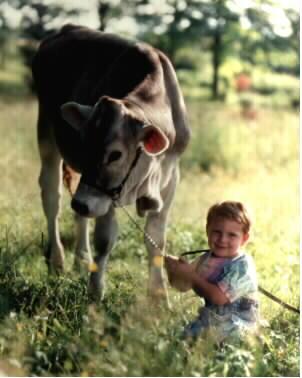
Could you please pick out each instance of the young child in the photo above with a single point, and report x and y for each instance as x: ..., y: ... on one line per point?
x: 224, y: 276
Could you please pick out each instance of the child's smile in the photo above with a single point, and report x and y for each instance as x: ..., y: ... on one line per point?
x: 226, y: 237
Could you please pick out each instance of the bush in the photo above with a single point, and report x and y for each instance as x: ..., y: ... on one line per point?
x: 234, y: 144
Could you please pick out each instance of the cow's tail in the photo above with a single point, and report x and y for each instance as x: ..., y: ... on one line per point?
x: 70, y: 178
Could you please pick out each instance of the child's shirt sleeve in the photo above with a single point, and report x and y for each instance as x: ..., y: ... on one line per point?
x: 238, y: 279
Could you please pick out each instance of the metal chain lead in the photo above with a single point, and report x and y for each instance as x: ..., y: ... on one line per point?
x: 150, y: 239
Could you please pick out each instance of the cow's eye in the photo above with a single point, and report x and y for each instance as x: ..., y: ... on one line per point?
x: 114, y: 156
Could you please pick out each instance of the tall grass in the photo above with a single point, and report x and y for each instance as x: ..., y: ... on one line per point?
x: 223, y: 138
x: 48, y: 326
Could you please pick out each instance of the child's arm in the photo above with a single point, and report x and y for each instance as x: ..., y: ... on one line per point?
x: 208, y: 290
x: 180, y: 270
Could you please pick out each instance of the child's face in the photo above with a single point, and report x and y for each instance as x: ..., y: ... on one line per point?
x: 226, y: 237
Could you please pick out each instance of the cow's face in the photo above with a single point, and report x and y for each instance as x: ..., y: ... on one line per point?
x: 111, y: 135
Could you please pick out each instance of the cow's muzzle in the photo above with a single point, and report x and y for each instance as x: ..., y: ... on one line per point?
x: 89, y: 202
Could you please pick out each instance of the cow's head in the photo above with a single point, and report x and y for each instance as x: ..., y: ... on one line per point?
x: 112, y: 135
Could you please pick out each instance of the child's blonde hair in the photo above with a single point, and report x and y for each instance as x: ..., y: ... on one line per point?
x: 232, y: 210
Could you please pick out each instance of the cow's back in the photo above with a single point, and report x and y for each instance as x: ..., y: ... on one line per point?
x: 78, y: 64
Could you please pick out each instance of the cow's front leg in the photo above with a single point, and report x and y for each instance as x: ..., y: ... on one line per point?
x: 105, y: 235
x: 50, y: 181
x: 155, y: 228
x: 83, y: 258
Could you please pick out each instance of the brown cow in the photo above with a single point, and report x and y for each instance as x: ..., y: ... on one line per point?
x: 112, y: 110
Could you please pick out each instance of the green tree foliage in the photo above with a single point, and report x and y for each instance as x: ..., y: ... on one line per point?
x: 292, y: 42
x: 268, y: 40
x: 111, y: 12
x: 5, y: 32
x: 218, y: 20
x: 214, y: 26
x: 4, y: 36
x: 38, y: 21
x: 107, y: 10
x: 190, y: 22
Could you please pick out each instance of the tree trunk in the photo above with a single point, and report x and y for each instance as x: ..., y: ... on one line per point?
x: 3, y: 59
x: 3, y: 53
x: 216, y: 61
x: 103, y: 10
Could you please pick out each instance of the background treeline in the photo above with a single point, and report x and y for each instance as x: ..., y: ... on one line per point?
x: 209, y: 42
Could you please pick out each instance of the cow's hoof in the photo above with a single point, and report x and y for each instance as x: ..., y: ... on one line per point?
x: 54, y: 256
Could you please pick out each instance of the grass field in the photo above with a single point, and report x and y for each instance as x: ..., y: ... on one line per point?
x: 47, y: 325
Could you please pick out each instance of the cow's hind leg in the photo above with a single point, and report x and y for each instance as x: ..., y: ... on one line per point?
x: 156, y: 227
x: 50, y: 181
x: 105, y: 235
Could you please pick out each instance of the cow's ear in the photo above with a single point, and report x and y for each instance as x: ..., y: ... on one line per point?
x: 75, y: 114
x: 153, y: 140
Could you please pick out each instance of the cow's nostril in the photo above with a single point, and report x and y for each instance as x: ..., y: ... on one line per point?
x: 80, y: 207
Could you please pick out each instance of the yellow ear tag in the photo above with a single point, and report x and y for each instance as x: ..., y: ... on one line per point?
x: 92, y: 267
x: 158, y: 261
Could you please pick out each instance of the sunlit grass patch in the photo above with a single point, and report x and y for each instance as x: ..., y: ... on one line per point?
x: 222, y: 138
x: 48, y: 326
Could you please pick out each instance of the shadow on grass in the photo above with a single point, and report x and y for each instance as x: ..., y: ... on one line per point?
x: 25, y: 288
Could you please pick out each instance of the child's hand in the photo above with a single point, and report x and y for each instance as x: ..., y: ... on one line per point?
x: 179, y: 272
x: 170, y: 262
